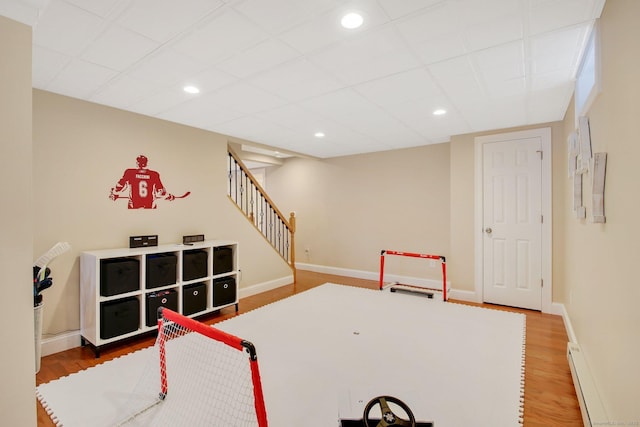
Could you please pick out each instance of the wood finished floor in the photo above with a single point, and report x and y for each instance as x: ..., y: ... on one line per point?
x: 549, y: 397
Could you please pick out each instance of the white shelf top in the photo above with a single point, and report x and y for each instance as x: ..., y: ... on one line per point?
x: 171, y: 247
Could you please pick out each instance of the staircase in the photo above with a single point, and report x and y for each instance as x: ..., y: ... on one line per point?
x: 249, y: 196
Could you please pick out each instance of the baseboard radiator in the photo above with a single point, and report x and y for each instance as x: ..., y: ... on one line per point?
x: 593, y: 413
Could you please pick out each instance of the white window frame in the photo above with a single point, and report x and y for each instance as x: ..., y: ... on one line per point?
x: 588, y: 77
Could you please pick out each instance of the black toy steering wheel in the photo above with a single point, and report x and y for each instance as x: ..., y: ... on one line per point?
x: 389, y: 418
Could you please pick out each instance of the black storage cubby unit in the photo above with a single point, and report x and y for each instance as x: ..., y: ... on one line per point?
x: 194, y: 264
x: 222, y: 260
x: 119, y: 276
x: 119, y: 317
x: 155, y: 300
x: 161, y: 270
x: 121, y: 289
x: 194, y: 298
x: 224, y: 291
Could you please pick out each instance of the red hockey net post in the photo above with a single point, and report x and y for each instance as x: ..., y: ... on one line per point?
x: 441, y: 258
x: 172, y: 327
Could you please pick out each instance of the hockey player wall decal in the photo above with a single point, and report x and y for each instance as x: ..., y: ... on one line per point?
x: 142, y: 187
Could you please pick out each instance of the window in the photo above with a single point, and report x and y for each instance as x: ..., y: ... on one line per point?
x: 588, y: 76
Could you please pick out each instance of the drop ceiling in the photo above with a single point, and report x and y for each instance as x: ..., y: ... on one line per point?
x: 275, y: 72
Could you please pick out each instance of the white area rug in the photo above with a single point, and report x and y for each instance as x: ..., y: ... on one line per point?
x: 325, y: 352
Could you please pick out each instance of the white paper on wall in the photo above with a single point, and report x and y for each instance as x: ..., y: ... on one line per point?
x: 599, y: 172
x: 580, y: 210
x: 584, y: 159
x: 573, y: 149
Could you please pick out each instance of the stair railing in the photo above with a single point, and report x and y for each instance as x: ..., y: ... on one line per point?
x: 252, y: 200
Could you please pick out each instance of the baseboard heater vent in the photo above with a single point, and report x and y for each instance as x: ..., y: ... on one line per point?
x: 593, y: 413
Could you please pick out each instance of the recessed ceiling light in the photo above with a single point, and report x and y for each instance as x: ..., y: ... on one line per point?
x: 191, y: 89
x: 439, y: 112
x: 319, y: 134
x: 352, y: 20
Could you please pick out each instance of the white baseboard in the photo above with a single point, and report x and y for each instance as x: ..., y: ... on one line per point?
x: 567, y: 322
x: 60, y: 342
x: 374, y: 275
x: 265, y: 286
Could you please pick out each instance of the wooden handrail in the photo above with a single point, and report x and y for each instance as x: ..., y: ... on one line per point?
x: 289, y: 224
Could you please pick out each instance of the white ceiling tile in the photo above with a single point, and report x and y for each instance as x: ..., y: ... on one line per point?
x: 490, y: 12
x: 430, y: 23
x: 549, y: 105
x: 210, y: 79
x: 554, y: 79
x: 493, y: 31
x: 501, y: 63
x: 457, y: 78
x: 161, y: 20
x: 80, y: 79
x: 440, y: 48
x: 118, y: 48
x: 246, y: 98
x: 220, y: 37
x: 276, y: 16
x: 503, y: 112
x: 397, y: 9
x: 161, y: 101
x: 101, y: 8
x: 299, y: 119
x: 20, y: 11
x: 325, y: 29
x: 202, y: 111
x: 372, y: 55
x: 123, y: 92
x: 400, y: 88
x: 296, y: 80
x: 558, y: 50
x: 46, y: 65
x: 258, y: 58
x: 167, y: 67
x: 550, y: 15
x: 66, y: 29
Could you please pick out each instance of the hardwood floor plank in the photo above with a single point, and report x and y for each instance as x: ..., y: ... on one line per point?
x: 549, y: 396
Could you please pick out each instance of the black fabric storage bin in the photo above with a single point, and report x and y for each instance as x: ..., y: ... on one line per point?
x: 222, y: 260
x: 224, y: 291
x: 194, y: 298
x: 167, y: 299
x: 119, y: 275
x: 119, y: 317
x: 161, y: 270
x: 194, y: 264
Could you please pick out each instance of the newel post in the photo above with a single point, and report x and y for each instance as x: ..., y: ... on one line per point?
x: 292, y: 257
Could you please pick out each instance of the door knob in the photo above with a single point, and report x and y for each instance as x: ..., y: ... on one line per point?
x: 488, y: 230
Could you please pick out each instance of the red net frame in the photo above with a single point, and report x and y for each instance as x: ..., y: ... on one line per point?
x: 232, y: 341
x: 441, y: 258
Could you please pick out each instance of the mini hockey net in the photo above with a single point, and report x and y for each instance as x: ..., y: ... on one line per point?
x: 444, y: 291
x: 199, y: 375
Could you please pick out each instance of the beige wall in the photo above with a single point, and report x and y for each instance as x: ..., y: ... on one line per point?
x: 17, y: 397
x: 81, y: 150
x: 598, y: 262
x: 350, y: 208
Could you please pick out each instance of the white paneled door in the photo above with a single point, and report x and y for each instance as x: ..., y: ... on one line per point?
x: 512, y: 220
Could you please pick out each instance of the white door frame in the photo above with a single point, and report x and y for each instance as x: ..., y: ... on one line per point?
x: 546, y: 244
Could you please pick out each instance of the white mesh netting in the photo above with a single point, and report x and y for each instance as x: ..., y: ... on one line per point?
x: 208, y: 383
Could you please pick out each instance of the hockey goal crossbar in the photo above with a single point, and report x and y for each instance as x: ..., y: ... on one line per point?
x: 169, y: 318
x: 441, y: 258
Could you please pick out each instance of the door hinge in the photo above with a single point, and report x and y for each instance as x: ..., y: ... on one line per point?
x: 542, y: 283
x: 541, y: 153
x: 541, y: 219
